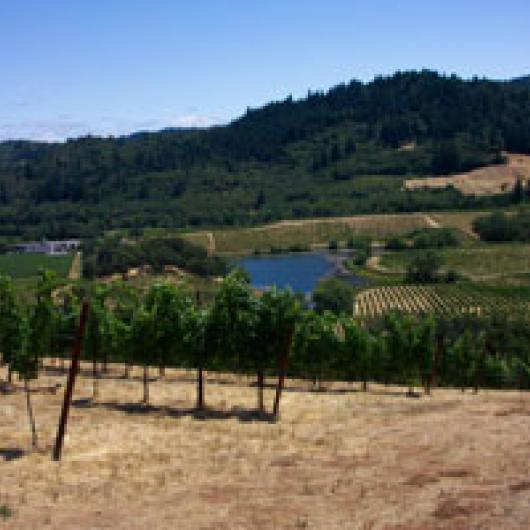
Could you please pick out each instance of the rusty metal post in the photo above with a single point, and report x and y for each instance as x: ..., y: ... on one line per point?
x: 200, y: 388
x: 74, y: 369
x: 282, y: 373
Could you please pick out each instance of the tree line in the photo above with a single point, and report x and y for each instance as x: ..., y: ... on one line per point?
x: 335, y: 152
x: 270, y: 334
x: 114, y: 254
x: 498, y: 227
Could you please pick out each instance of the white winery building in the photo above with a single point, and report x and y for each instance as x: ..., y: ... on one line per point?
x: 47, y: 247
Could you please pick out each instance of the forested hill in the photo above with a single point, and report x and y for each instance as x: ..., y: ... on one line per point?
x: 339, y: 152
x: 525, y: 80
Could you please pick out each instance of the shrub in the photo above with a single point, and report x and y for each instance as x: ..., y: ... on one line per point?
x: 5, y: 511
x: 496, y: 372
x: 333, y: 295
x: 276, y: 250
x: 451, y: 276
x: 362, y: 247
x: 499, y: 227
x: 360, y: 258
x: 359, y: 243
x: 298, y: 247
x: 424, y: 268
x: 520, y: 374
x: 434, y: 238
x: 396, y: 243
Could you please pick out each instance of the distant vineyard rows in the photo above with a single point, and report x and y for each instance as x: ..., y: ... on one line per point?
x: 442, y: 300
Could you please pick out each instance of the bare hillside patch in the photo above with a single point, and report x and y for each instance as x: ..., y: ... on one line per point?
x: 489, y: 180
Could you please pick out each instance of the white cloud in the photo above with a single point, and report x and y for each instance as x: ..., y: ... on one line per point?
x: 43, y: 130
x: 194, y: 120
x: 65, y: 127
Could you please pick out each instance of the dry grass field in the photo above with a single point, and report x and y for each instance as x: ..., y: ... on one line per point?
x: 459, y: 220
x: 336, y: 459
x: 307, y: 232
x: 318, y: 232
x: 483, y: 181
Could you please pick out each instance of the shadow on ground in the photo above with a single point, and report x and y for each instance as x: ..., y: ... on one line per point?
x: 217, y: 379
x: 241, y: 414
x: 11, y: 453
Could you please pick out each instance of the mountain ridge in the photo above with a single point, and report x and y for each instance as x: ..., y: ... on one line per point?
x: 342, y: 151
x: 522, y: 80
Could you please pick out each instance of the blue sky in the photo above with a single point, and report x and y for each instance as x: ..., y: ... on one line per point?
x: 72, y: 67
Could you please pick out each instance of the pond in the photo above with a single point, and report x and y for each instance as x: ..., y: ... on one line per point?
x: 301, y: 271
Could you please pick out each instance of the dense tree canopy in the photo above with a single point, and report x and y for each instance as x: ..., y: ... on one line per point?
x: 499, y: 227
x: 342, y: 151
x: 243, y: 332
x: 333, y: 294
x: 109, y: 255
x: 424, y: 267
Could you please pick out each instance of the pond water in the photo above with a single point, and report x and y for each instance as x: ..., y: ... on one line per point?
x: 301, y: 272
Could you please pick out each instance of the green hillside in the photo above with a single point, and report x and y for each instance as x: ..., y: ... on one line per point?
x: 524, y: 80
x: 342, y: 152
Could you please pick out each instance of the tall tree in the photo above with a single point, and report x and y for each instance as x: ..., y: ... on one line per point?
x: 43, y: 318
x: 94, y: 336
x: 10, y: 324
x: 196, y: 346
x: 358, y: 354
x: 425, y: 349
x: 36, y: 338
x: 26, y: 363
x: 232, y: 321
x: 460, y: 357
x: 316, y: 341
x: 67, y: 316
x: 141, y: 342
x: 169, y: 306
x: 404, y: 342
x: 276, y: 315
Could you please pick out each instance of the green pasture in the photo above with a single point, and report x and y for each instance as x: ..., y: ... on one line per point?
x: 28, y: 265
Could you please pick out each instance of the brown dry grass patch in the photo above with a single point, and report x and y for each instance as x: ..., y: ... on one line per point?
x: 336, y: 459
x: 488, y: 180
x: 307, y: 232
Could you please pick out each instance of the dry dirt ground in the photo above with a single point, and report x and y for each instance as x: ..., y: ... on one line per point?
x: 484, y: 181
x: 336, y: 459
